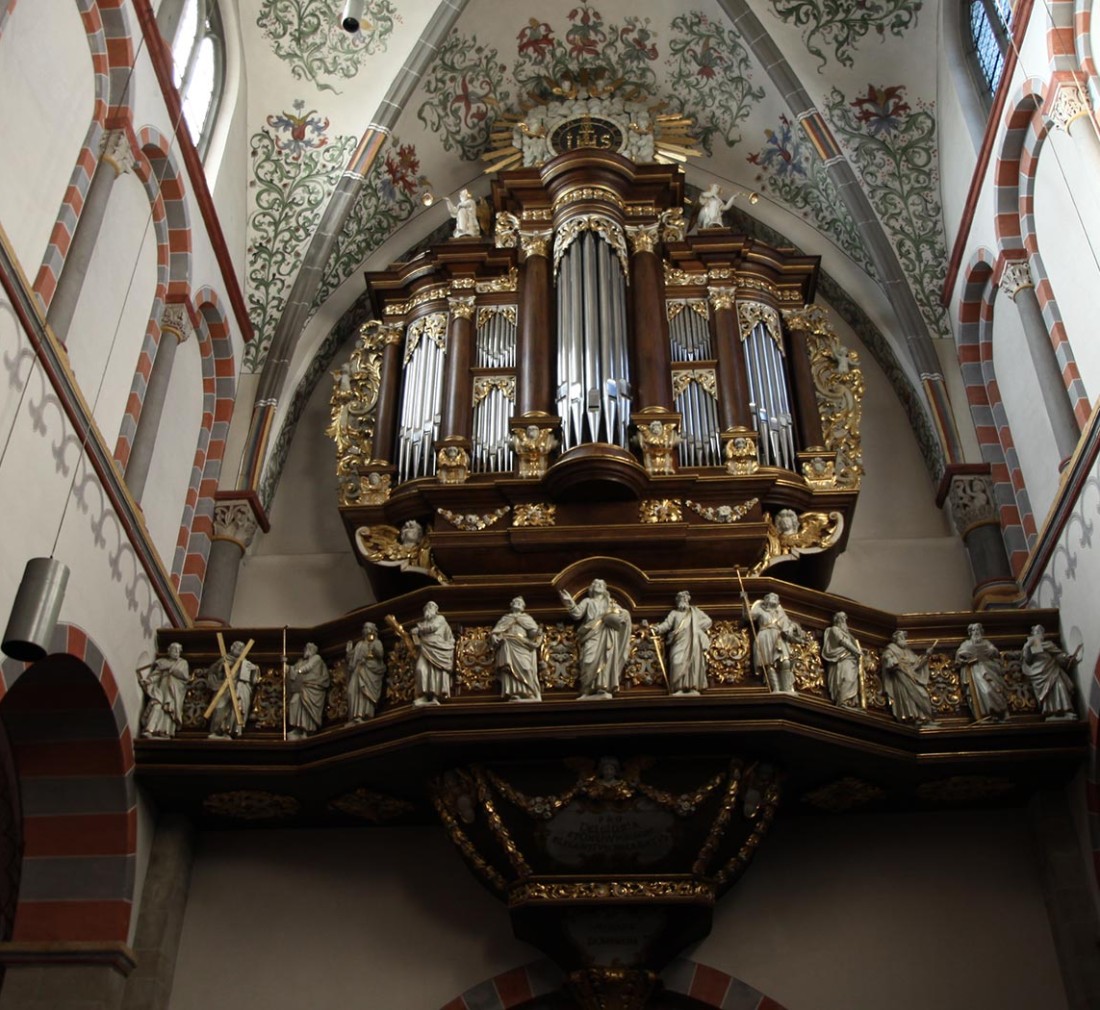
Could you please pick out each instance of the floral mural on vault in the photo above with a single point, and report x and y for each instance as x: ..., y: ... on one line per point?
x: 388, y: 197
x: 306, y: 35
x: 892, y: 146
x: 790, y: 170
x: 295, y: 165
x: 465, y: 88
x: 839, y: 25
x: 710, y: 78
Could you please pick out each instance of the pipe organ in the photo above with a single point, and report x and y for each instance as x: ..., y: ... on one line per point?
x: 594, y: 357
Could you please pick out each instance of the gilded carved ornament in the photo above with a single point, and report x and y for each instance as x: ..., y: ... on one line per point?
x: 408, y: 549
x: 674, y: 306
x: 581, y: 193
x: 838, y: 384
x: 505, y: 282
x: 790, y: 536
x: 352, y: 408
x: 370, y: 805
x: 660, y: 510
x: 509, y: 234
x: 434, y: 294
x: 433, y: 326
x: 485, y: 384
x: 658, y: 439
x: 752, y: 314
x: 470, y: 522
x: 820, y: 472
x: 643, y: 238
x: 741, y: 452
x: 535, y: 514
x: 723, y: 513
x: 722, y: 298
x: 461, y: 306
x: 673, y: 224
x: 684, y: 377
x: 250, y: 805
x: 486, y: 312
x: 610, y: 231
x: 533, y: 445
x: 452, y: 464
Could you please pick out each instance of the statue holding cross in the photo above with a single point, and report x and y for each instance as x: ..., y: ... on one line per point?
x: 232, y: 679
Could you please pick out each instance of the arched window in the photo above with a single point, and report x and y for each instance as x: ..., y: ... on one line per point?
x: 990, y: 32
x: 198, y: 58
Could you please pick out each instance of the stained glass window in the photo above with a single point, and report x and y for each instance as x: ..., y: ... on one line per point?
x: 990, y: 30
x: 198, y: 57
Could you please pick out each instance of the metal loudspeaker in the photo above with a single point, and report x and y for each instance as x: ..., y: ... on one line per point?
x: 36, y: 609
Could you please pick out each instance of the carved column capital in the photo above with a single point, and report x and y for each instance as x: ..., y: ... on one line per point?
x: 234, y: 520
x: 392, y: 333
x: 461, y: 306
x: 1068, y: 105
x: 175, y: 319
x: 535, y: 243
x: 115, y: 150
x: 1015, y: 277
x: 722, y: 297
x: 643, y: 238
x: 970, y: 497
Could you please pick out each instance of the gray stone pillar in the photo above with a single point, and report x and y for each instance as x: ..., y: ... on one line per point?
x: 160, y: 919
x: 235, y: 525
x: 1016, y: 282
x: 56, y: 975
x: 974, y: 513
x: 175, y: 327
x: 115, y: 157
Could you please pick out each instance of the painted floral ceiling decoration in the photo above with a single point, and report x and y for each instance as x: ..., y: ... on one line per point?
x: 313, y: 90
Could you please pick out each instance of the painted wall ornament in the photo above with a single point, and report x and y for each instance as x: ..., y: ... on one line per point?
x: 603, y: 640
x: 982, y: 674
x: 435, y: 657
x: 839, y: 25
x: 366, y: 672
x: 687, y: 629
x: 1047, y: 667
x: 306, y: 34
x: 409, y: 548
x: 843, y: 659
x: 905, y: 677
x: 517, y: 637
x: 307, y: 684
x: 164, y: 687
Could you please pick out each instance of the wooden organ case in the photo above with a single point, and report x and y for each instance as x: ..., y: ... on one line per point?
x: 589, y: 378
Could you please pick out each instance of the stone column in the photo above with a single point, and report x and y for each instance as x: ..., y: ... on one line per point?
x: 974, y: 513
x: 115, y: 158
x: 385, y: 417
x: 1016, y: 282
x: 733, y: 380
x: 652, y: 356
x: 534, y: 340
x: 175, y: 327
x: 160, y: 918
x: 1070, y: 112
x: 234, y: 527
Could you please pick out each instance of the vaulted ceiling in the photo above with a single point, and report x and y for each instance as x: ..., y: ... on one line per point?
x: 868, y: 66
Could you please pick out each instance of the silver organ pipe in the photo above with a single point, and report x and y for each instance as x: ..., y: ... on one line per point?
x: 769, y: 398
x: 594, y: 398
x: 421, y: 396
x: 694, y: 390
x: 494, y: 395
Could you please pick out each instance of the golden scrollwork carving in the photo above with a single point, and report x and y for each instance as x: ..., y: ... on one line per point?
x: 535, y: 243
x: 486, y: 312
x: 607, y: 988
x: 535, y: 514
x: 470, y: 522
x: 352, y: 408
x: 763, y: 816
x: 485, y: 384
x: 678, y: 278
x: 779, y: 294
x: 452, y: 797
x: 1021, y: 698
x: 505, y: 282
x: 559, y: 654
x: 809, y: 674
x: 722, y: 513
x: 844, y: 794
x: 532, y: 445
x: 251, y: 805
x: 433, y: 326
x: 475, y: 660
x: 370, y: 805
x: 658, y: 439
x: 643, y: 664
x: 741, y: 452
x: 452, y: 464
x: 400, y: 682
x: 376, y: 488
x: 674, y: 306
x: 673, y: 224
x: 660, y: 510
x: 603, y: 226
x: 791, y: 535
x: 944, y: 687
x: 409, y: 548
x: 438, y: 293
x: 751, y: 314
x: 646, y: 890
x: 729, y: 658
x: 722, y: 298
x: 684, y: 377
x: 963, y: 790
x: 506, y: 230
x: 838, y: 382
x: 819, y: 472
x: 336, y: 701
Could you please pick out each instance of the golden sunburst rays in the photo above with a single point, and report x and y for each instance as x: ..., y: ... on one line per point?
x: 673, y: 138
